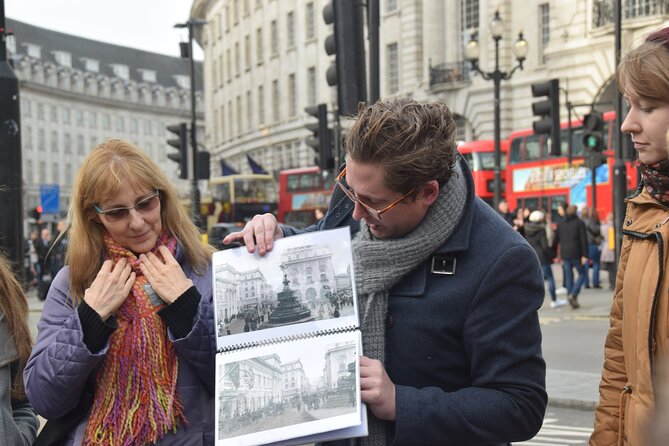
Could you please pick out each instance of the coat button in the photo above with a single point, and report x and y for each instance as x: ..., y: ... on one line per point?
x: 628, y: 221
x: 390, y: 321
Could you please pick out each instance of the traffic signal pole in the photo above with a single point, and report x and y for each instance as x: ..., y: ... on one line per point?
x: 619, y: 167
x: 11, y: 193
x: 195, y: 190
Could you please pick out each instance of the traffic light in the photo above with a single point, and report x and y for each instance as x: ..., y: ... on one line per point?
x: 593, y: 139
x: 322, y: 137
x: 549, y: 110
x: 203, y: 165
x: 347, y: 44
x: 181, y: 143
x: 36, y: 212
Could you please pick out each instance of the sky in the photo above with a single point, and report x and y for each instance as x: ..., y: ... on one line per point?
x: 142, y: 24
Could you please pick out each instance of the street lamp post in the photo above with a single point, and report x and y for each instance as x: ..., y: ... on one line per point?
x: 195, y: 190
x: 472, y: 55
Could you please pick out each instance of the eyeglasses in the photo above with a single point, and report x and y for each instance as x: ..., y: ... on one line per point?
x: 143, y: 206
x: 375, y: 213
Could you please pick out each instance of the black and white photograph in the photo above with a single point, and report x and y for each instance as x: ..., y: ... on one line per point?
x: 283, y: 391
x: 305, y: 284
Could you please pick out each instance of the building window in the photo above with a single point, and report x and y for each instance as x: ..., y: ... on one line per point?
x: 311, y: 86
x: 81, y: 147
x: 309, y: 27
x: 247, y: 52
x: 274, y: 38
x: 67, y: 142
x: 54, y: 141
x: 55, y: 174
x: 68, y: 173
x: 275, y: 101
x: 392, y: 69
x: 259, y: 46
x: 53, y: 113
x: 460, y: 128
x: 40, y: 141
x: 261, y: 105
x: 544, y: 31
x: 239, y: 115
x: 228, y: 56
x: 120, y: 124
x: 40, y: 111
x: 292, y: 94
x: 80, y: 117
x: 238, y: 61
x: 93, y: 119
x: 134, y: 125
x: 391, y: 5
x: 106, y: 122
x: 249, y: 111
x: 121, y: 71
x: 66, y: 115
x: 63, y: 58
x: 290, y: 28
x: 469, y: 20
x: 42, y: 169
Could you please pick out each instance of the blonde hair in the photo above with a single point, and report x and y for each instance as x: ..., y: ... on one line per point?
x: 643, y: 72
x: 14, y: 307
x: 109, y: 165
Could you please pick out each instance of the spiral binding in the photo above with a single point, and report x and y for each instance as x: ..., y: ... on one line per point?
x: 281, y: 339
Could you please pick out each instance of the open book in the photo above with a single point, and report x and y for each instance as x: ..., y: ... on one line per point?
x: 287, y: 366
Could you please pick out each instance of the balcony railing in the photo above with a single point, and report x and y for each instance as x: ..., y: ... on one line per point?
x: 602, y: 10
x: 449, y: 73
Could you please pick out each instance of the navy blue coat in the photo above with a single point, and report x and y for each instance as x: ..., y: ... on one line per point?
x: 463, y: 342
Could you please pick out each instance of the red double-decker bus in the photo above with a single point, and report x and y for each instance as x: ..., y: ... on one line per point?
x: 480, y: 156
x: 537, y: 180
x: 301, y: 192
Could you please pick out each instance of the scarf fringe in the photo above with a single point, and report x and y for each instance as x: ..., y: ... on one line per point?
x: 136, y: 400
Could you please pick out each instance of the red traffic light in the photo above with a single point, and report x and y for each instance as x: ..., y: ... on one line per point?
x: 39, y: 209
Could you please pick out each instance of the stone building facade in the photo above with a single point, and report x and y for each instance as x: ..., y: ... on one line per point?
x: 265, y: 62
x: 76, y: 92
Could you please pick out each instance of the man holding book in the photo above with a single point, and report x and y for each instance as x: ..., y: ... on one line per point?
x: 448, y: 292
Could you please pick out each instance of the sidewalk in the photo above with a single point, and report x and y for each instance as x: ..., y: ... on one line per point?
x: 573, y: 388
x: 566, y: 388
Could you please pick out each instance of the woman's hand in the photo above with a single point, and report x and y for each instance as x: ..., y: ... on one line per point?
x: 110, y: 288
x: 165, y: 276
x: 377, y: 390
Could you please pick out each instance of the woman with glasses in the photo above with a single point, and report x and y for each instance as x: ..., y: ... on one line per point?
x: 125, y: 350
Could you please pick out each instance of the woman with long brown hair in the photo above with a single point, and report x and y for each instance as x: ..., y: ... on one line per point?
x: 638, y: 337
x: 129, y: 319
x: 18, y: 422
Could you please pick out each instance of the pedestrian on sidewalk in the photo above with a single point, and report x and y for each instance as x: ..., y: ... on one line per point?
x: 536, y: 235
x: 638, y: 337
x: 448, y: 291
x: 572, y: 240
x: 590, y: 218
x: 18, y: 421
x: 126, y: 344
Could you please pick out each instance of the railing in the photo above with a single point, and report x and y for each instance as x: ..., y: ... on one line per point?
x: 448, y: 73
x: 602, y: 10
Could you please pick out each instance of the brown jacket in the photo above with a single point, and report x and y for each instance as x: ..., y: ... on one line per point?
x: 637, y: 336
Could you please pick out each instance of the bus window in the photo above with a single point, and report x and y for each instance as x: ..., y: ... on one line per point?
x: 516, y: 146
x: 469, y: 157
x: 293, y: 182
x: 532, y: 148
x: 486, y: 160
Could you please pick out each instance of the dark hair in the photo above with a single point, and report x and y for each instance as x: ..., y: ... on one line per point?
x: 414, y: 143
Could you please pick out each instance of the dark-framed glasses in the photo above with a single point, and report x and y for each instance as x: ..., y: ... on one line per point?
x: 143, y: 206
x: 375, y: 213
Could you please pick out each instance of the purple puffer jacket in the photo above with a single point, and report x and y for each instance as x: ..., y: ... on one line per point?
x: 60, y: 363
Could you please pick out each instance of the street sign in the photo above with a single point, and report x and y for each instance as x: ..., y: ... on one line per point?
x: 50, y: 196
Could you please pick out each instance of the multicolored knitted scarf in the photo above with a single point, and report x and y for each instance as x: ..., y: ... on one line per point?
x: 656, y: 180
x: 136, y: 400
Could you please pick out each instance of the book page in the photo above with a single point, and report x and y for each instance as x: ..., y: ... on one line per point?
x: 287, y: 390
x: 304, y: 285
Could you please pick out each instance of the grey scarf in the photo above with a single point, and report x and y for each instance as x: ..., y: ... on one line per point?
x: 380, y: 264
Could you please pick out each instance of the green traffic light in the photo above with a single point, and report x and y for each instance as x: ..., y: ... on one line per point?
x: 591, y: 141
